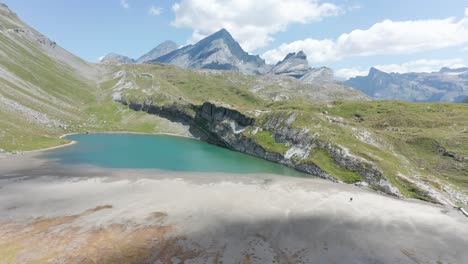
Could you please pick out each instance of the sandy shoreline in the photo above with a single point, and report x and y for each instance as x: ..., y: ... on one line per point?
x: 75, y: 212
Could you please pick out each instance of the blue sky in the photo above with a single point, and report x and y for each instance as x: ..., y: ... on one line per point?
x: 348, y: 35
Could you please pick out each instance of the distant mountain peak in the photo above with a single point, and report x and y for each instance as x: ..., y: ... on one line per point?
x: 222, y: 33
x: 160, y: 50
x: 217, y: 51
x: 293, y: 55
x: 373, y: 71
x: 294, y: 65
x: 301, y: 55
x: 114, y: 57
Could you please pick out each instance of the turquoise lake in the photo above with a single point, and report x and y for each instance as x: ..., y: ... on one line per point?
x: 160, y: 152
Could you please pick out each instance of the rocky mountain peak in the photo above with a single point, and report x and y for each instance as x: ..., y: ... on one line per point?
x: 160, y: 50
x: 294, y: 65
x: 293, y: 55
x: 301, y: 55
x: 218, y: 51
x: 222, y: 33
x: 374, y: 71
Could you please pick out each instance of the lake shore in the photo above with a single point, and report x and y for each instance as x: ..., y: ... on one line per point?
x: 4, y: 154
x: 139, y: 215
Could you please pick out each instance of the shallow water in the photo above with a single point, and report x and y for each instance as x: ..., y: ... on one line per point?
x: 160, y: 152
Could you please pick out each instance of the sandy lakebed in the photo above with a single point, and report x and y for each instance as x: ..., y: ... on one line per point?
x: 81, y: 214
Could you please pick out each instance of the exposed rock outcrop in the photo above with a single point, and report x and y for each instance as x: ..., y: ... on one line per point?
x: 227, y: 128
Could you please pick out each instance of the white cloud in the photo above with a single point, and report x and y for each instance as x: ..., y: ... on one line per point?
x: 386, y: 37
x: 252, y: 23
x: 154, y: 11
x: 124, y: 3
x: 100, y: 58
x: 422, y: 65
x: 345, y: 74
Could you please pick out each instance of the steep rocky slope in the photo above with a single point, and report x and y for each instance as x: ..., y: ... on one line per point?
x: 160, y: 50
x: 41, y: 85
x: 446, y: 85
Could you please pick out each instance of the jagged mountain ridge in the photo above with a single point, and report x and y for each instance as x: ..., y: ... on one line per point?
x: 297, y: 66
x: 218, y: 51
x: 294, y: 65
x: 449, y: 85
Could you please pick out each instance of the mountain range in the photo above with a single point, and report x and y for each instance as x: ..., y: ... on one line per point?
x: 449, y: 85
x: 220, y: 51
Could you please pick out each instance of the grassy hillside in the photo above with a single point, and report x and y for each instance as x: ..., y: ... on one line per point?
x: 424, y: 142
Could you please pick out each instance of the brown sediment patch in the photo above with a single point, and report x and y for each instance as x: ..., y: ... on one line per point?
x: 47, y: 240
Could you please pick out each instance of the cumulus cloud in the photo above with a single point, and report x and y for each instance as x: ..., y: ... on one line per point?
x: 422, y: 65
x: 386, y: 37
x: 124, y: 3
x: 154, y: 11
x: 252, y: 23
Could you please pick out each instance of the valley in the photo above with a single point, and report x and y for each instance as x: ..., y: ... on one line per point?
x: 205, y: 153
x: 326, y: 129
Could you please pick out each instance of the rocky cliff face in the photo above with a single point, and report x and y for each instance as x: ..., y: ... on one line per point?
x: 234, y: 130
